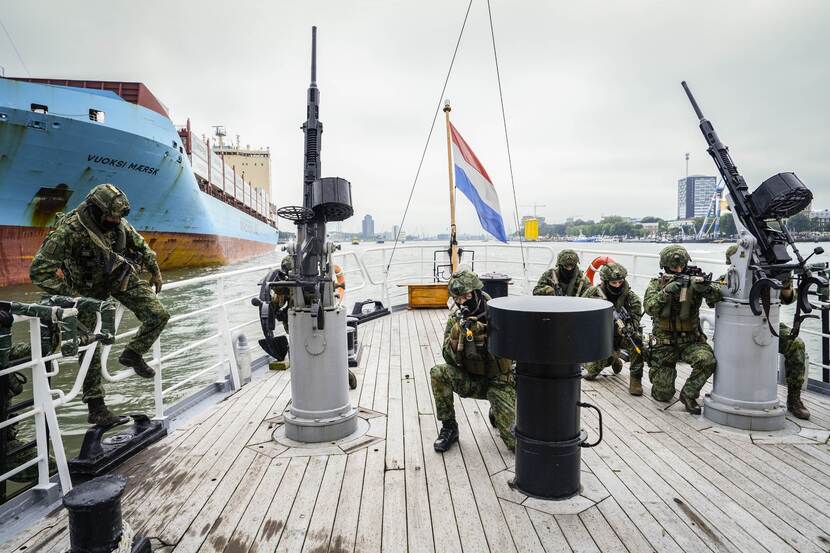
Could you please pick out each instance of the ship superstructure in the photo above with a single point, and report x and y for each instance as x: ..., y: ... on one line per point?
x: 60, y: 138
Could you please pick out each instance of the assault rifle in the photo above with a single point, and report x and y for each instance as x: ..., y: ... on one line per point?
x: 626, y: 327
x: 777, y: 198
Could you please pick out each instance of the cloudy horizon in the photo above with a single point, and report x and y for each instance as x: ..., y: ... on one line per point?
x: 598, y: 122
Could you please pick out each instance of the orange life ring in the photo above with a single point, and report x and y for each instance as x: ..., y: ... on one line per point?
x: 595, y: 266
x: 339, y: 283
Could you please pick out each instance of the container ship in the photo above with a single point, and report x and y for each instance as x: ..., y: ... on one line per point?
x: 190, y: 199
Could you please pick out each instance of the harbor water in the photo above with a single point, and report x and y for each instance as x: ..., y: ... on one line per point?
x: 411, y: 260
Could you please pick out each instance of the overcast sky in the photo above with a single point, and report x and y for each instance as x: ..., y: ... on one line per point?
x: 597, y: 119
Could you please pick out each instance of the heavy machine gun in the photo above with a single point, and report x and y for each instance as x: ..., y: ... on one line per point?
x: 320, y: 407
x: 762, y: 213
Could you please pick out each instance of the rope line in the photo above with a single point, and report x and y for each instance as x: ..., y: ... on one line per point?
x: 507, y: 140
x: 429, y: 136
x: 14, y: 47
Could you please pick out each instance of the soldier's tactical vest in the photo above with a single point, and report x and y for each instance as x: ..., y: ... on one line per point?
x: 472, y: 352
x: 93, y: 259
x: 679, y: 316
x: 574, y: 286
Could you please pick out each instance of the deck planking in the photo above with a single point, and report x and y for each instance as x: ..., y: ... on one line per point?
x: 660, y: 480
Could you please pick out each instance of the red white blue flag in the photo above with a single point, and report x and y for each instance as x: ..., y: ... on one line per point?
x: 475, y: 183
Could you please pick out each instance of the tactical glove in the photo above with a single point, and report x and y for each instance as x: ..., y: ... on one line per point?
x: 672, y: 288
x: 155, y: 280
x: 700, y: 286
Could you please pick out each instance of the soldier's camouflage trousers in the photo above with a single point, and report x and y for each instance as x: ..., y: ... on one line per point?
x: 499, y: 391
x: 139, y: 298
x: 635, y: 359
x: 18, y: 351
x: 795, y: 359
x: 690, y: 348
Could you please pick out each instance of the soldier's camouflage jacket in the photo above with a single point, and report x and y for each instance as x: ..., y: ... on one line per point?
x: 549, y: 282
x: 465, y: 346
x: 669, y: 313
x: 89, y: 257
x: 627, y: 299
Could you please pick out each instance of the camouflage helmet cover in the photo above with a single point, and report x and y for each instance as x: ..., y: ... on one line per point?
x: 567, y: 257
x: 287, y: 264
x: 730, y: 251
x: 462, y: 282
x: 674, y: 255
x: 110, y: 200
x: 612, y: 271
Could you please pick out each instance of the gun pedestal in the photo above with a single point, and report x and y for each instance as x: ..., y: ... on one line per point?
x: 549, y: 336
x: 320, y: 408
x: 745, y: 391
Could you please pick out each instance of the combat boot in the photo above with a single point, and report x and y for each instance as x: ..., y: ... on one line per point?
x: 635, y: 385
x: 616, y: 365
x: 132, y: 359
x: 795, y: 406
x: 690, y: 404
x: 447, y: 436
x: 100, y: 415
x: 352, y: 380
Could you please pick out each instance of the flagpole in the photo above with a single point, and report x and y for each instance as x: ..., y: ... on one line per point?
x: 453, y: 238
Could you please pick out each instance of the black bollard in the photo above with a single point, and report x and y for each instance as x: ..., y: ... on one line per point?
x: 95, y: 514
x: 549, y: 337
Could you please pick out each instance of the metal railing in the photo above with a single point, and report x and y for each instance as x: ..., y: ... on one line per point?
x: 46, y: 400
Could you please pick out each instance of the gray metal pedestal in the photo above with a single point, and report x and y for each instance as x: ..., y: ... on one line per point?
x: 745, y: 390
x: 320, y: 407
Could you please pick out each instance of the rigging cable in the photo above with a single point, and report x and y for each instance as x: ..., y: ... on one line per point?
x: 429, y: 136
x: 507, y: 142
x: 14, y: 47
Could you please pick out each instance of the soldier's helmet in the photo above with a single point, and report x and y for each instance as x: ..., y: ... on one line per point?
x: 110, y: 200
x: 287, y: 264
x: 612, y: 271
x: 462, y: 282
x: 567, y: 257
x: 730, y: 251
x: 674, y: 255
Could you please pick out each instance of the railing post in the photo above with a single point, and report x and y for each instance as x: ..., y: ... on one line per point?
x: 227, y: 345
x: 40, y: 397
x: 824, y: 296
x: 157, y: 382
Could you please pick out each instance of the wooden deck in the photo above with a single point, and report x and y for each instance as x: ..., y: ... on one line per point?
x: 660, y: 481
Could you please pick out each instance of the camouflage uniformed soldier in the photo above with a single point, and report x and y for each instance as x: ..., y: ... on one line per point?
x: 470, y: 369
x: 564, y: 279
x: 94, y: 252
x: 793, y: 350
x: 627, y: 304
x: 674, y: 306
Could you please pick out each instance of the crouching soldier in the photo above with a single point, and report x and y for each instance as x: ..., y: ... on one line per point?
x: 564, y: 279
x: 470, y: 369
x: 673, y: 301
x: 94, y: 252
x: 628, y: 334
x: 792, y: 348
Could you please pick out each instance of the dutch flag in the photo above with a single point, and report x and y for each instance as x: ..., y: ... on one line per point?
x: 475, y: 183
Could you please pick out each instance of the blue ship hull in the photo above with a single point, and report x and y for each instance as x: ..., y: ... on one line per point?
x: 52, y: 154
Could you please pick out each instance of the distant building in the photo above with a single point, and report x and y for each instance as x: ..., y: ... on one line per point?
x: 651, y: 228
x: 694, y: 194
x: 368, y: 227
x: 822, y: 216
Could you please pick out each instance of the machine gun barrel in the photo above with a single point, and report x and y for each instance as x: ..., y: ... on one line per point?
x: 770, y: 248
